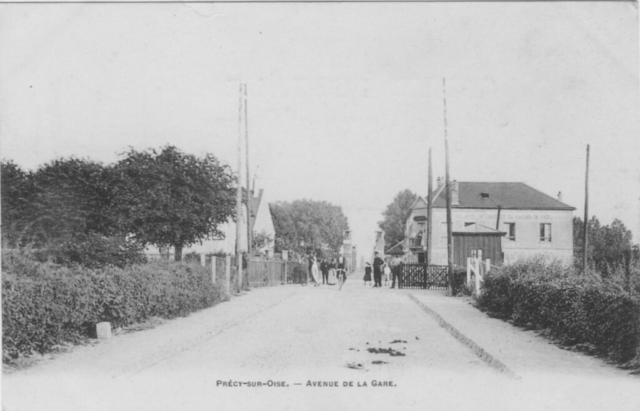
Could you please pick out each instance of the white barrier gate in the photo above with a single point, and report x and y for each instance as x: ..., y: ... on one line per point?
x: 479, y: 269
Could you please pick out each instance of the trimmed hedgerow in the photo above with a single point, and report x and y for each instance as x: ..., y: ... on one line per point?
x: 54, y: 305
x: 572, y: 308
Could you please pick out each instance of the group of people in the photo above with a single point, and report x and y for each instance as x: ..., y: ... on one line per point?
x: 381, y: 270
x: 331, y: 270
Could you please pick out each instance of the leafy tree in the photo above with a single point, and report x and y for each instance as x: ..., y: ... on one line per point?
x: 260, y: 239
x: 60, y: 201
x: 17, y: 202
x: 74, y: 197
x: 308, y: 224
x: 169, y: 198
x: 395, y: 217
x: 608, y: 245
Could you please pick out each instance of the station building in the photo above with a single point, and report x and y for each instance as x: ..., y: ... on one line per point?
x: 504, y: 221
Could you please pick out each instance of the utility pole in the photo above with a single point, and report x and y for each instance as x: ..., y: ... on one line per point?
x: 585, y: 240
x: 429, y: 211
x: 239, y: 196
x: 249, y: 192
x: 448, y: 196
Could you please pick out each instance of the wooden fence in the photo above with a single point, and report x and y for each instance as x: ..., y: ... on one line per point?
x: 259, y: 273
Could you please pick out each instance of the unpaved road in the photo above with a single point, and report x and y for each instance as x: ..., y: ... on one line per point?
x: 296, y: 337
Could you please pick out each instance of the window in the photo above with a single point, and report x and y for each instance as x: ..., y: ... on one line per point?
x: 467, y: 224
x: 511, y: 231
x: 545, y: 232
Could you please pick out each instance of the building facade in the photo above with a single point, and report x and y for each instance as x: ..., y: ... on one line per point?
x: 532, y: 222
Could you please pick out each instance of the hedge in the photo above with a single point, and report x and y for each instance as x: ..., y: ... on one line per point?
x: 573, y: 309
x: 49, y: 305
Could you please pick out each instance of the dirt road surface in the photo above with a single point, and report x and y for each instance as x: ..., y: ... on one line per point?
x: 317, y: 348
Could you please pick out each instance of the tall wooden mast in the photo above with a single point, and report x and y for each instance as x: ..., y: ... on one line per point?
x: 249, y: 191
x: 585, y: 238
x: 429, y: 212
x: 239, y: 196
x: 448, y: 196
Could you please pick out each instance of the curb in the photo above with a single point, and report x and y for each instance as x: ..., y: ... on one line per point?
x: 489, y: 359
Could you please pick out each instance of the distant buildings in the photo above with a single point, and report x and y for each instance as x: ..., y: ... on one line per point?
x: 260, y: 220
x: 506, y: 221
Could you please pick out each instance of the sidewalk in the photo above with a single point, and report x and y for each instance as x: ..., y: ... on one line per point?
x: 523, y: 352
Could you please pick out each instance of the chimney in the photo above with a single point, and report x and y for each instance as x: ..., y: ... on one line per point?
x: 455, y: 198
x: 559, y: 195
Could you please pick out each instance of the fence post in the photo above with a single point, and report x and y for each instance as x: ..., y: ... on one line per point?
x: 213, y: 269
x: 285, y: 272
x: 468, y: 271
x: 477, y: 270
x: 488, y: 266
x: 203, y: 261
x: 227, y: 271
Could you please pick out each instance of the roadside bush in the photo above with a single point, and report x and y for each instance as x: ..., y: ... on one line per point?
x: 572, y: 308
x: 52, y: 305
x: 459, y: 280
x: 94, y: 251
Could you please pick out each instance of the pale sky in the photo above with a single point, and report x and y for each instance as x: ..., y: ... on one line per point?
x: 344, y: 98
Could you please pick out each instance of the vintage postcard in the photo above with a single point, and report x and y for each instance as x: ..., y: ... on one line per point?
x: 318, y: 205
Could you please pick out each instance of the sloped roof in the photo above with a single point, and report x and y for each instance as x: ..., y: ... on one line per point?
x: 514, y: 196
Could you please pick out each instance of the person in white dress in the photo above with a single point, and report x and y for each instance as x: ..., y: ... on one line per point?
x: 315, y: 272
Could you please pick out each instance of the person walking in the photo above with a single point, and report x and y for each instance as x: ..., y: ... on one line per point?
x: 324, y: 267
x: 332, y: 271
x: 387, y: 274
x: 367, y: 274
x: 377, y: 270
x: 341, y: 272
x: 313, y: 269
x: 395, y: 272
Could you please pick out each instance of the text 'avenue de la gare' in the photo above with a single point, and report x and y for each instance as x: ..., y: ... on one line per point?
x: 309, y: 383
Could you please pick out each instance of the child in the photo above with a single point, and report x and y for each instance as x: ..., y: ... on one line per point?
x: 367, y: 273
x: 387, y: 274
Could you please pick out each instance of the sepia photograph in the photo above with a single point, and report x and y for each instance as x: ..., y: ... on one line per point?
x: 309, y: 205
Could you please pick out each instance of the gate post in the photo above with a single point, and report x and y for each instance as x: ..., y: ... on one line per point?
x: 213, y: 269
x: 477, y: 277
x: 227, y: 271
x: 468, y: 271
x: 425, y: 277
x: 285, y: 273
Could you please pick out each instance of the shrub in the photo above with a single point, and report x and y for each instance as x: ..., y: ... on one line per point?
x: 94, y: 251
x: 459, y: 280
x: 52, y: 305
x: 573, y: 308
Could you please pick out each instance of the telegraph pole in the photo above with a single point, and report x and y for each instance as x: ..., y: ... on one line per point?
x: 429, y: 211
x: 239, y: 196
x: 448, y: 196
x: 585, y: 239
x: 249, y: 193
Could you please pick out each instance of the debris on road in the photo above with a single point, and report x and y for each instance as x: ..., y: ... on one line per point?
x: 389, y: 351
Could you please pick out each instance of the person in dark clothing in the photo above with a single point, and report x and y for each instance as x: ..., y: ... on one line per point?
x: 324, y: 267
x: 367, y: 274
x: 377, y: 270
x: 395, y: 271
